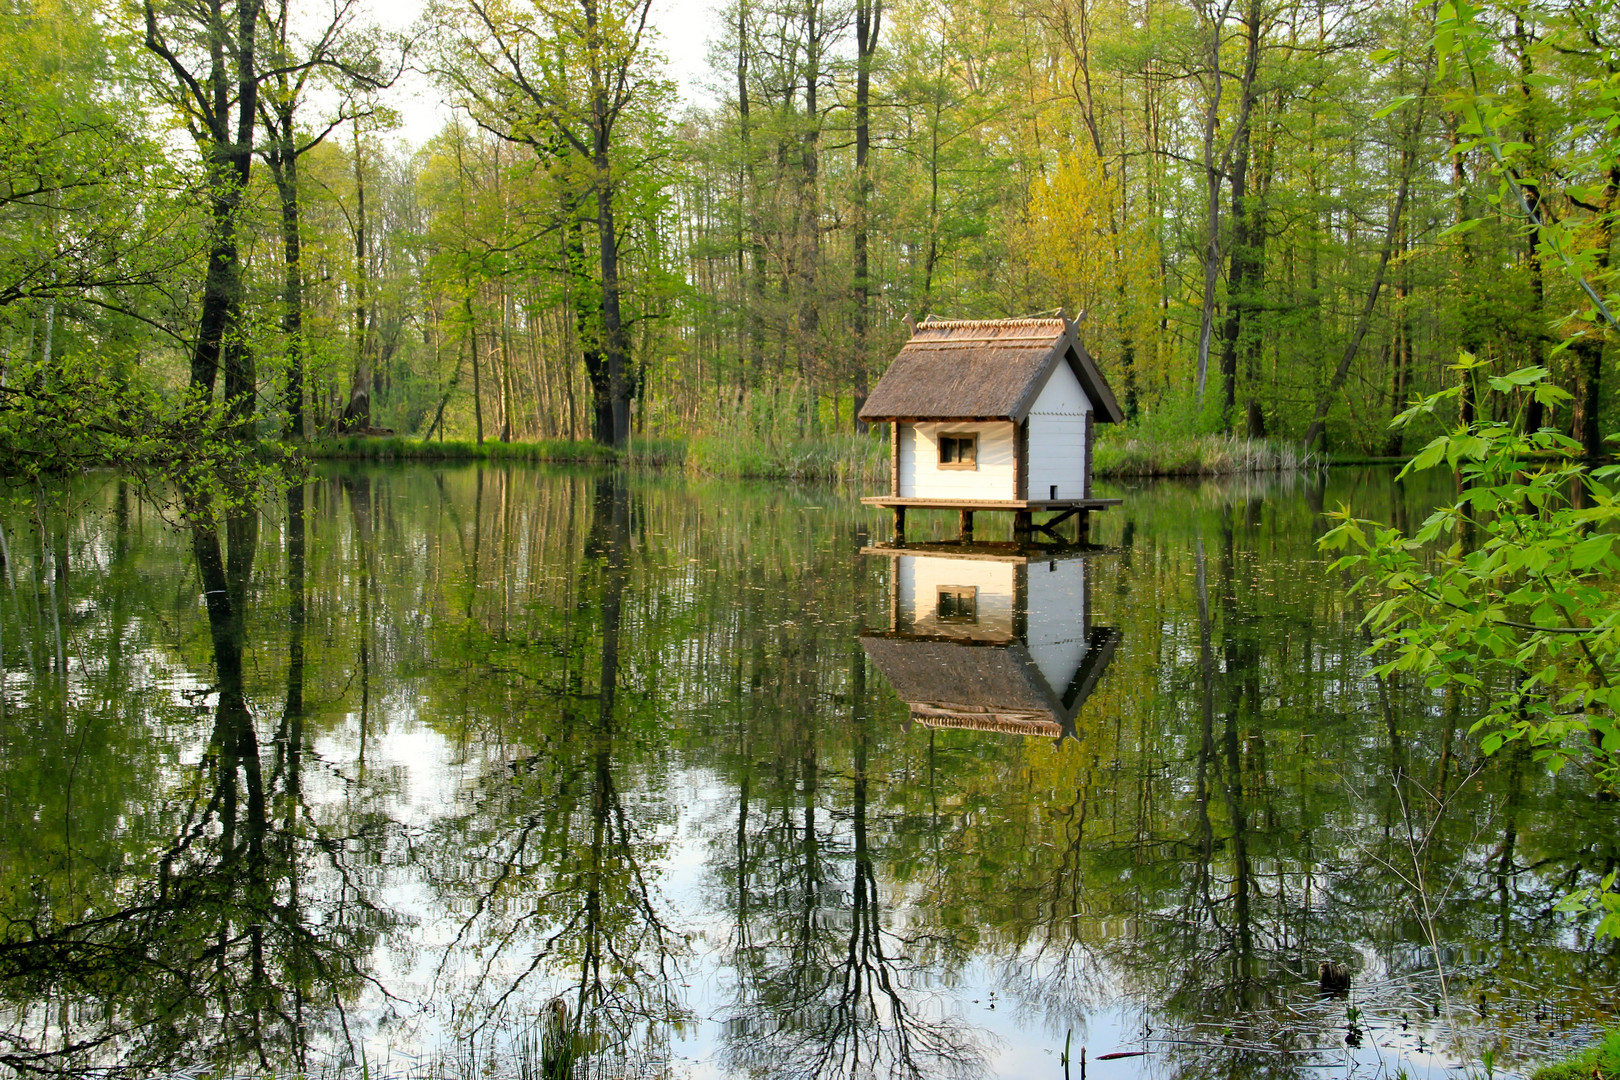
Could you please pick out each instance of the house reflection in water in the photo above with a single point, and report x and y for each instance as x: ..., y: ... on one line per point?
x: 992, y: 637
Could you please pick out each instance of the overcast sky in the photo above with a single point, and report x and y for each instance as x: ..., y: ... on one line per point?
x: 683, y: 36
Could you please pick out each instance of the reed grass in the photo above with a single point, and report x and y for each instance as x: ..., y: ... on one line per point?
x: 401, y: 448
x: 1129, y: 453
x: 845, y: 458
x: 840, y: 459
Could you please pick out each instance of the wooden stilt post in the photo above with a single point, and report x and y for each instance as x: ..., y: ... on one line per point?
x: 1021, y: 524
x: 965, y: 522
x: 1082, y: 527
x: 899, y: 524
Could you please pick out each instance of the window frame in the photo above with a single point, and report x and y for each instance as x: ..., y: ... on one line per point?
x: 957, y: 594
x: 960, y: 439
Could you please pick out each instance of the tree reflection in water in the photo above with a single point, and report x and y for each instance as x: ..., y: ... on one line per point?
x: 209, y: 956
x: 487, y: 738
x: 552, y: 865
x: 825, y: 988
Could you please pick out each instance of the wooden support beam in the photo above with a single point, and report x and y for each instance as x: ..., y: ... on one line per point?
x: 1082, y: 527
x: 899, y: 524
x: 965, y: 525
x: 1051, y: 524
x: 1023, y: 521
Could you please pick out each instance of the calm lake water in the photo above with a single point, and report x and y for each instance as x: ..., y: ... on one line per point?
x: 377, y: 779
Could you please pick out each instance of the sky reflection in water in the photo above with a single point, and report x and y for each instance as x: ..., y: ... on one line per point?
x: 399, y: 761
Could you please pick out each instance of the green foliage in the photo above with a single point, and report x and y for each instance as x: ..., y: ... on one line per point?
x: 1503, y: 121
x: 78, y: 415
x: 1599, y: 1062
x: 1506, y: 592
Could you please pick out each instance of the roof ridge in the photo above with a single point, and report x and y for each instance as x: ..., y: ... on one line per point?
x: 976, y: 324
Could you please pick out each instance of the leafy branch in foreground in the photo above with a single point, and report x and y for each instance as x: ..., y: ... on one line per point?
x: 79, y: 416
x: 1509, y: 591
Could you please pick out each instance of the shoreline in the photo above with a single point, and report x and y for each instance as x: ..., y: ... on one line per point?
x: 841, y: 459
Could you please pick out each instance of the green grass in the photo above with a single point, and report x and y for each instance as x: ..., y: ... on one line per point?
x: 1600, y: 1062
x: 1129, y: 452
x: 846, y: 458
x: 398, y: 448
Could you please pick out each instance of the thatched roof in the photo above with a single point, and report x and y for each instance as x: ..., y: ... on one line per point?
x: 985, y: 687
x: 984, y: 369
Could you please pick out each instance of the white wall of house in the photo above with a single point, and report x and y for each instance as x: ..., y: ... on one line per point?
x: 920, y: 577
x: 922, y: 478
x: 1057, y: 437
x: 1056, y: 600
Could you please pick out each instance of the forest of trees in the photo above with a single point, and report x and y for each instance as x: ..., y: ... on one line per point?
x: 1277, y: 216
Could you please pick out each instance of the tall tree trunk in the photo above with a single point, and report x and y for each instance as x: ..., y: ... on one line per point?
x: 868, y: 23
x: 810, y: 216
x: 1589, y: 347
x: 282, y: 157
x: 613, y: 342
x: 228, y: 156
x: 1253, y: 336
x: 1240, y: 270
x: 590, y: 335
x: 754, y: 303
x: 507, y: 396
x: 1536, y: 334
x: 1465, y: 279
x: 358, y: 412
x: 1400, y: 353
x: 1212, y: 196
x: 478, y: 386
x: 612, y: 320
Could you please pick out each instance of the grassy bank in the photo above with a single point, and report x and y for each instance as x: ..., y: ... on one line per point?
x: 562, y: 451
x: 1123, y: 452
x: 1600, y: 1062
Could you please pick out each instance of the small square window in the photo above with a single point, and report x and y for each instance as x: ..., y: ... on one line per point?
x: 959, y: 451
x: 958, y: 603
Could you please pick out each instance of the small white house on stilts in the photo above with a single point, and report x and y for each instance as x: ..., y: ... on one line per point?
x: 993, y: 414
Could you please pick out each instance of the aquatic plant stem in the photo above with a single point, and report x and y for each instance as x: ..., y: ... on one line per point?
x: 1421, y: 884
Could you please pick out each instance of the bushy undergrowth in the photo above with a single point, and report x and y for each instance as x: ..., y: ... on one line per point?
x: 844, y: 458
x: 641, y: 451
x: 1133, y: 452
x: 763, y: 437
x: 1600, y: 1062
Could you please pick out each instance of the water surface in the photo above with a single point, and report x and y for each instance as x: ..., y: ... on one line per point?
x: 376, y: 778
